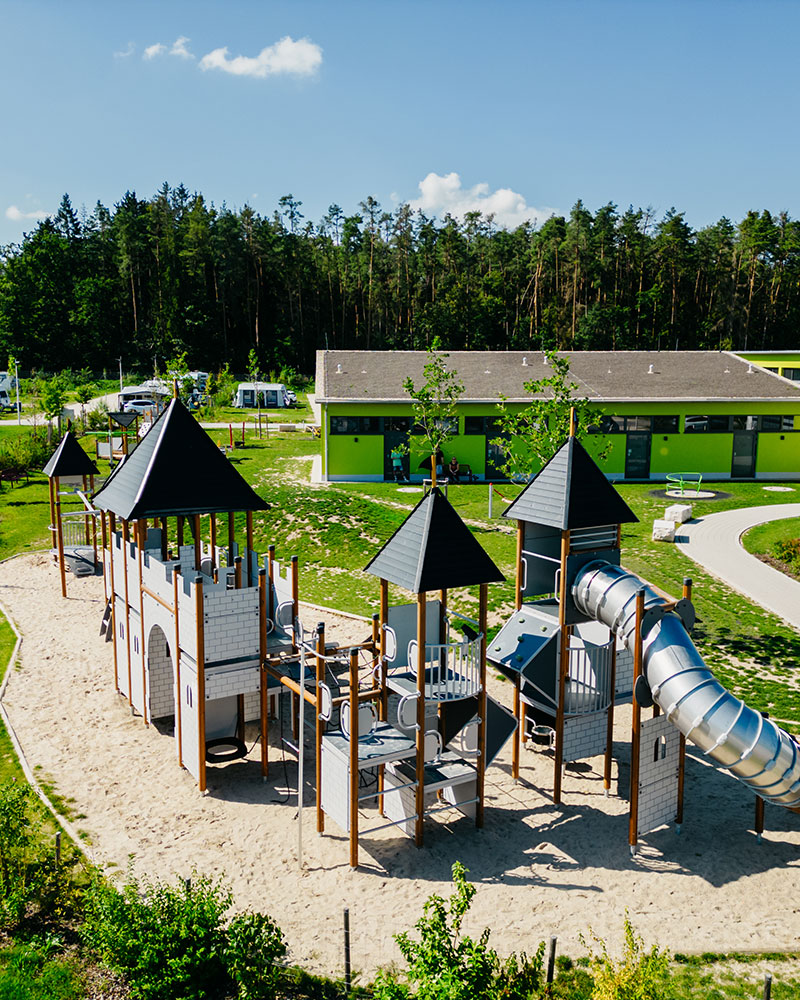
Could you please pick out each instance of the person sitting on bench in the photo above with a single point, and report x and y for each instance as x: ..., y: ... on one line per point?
x: 452, y: 470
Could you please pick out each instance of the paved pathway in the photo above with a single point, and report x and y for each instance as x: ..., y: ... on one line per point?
x: 713, y: 542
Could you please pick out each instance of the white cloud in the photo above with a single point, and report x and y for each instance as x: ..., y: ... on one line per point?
x: 440, y: 194
x: 179, y: 48
x: 299, y: 58
x: 154, y: 50
x: 17, y: 215
x: 124, y: 53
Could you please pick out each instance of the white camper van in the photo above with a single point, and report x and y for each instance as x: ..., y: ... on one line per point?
x: 271, y: 395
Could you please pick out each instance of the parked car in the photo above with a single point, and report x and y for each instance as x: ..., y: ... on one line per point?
x: 141, y: 406
x: 291, y: 395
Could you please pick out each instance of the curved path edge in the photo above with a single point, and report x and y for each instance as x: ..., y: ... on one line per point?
x: 714, y: 542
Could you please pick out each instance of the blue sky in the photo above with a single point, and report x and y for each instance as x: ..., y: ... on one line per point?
x: 517, y: 108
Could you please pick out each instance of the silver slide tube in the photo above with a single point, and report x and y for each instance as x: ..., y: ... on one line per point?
x: 736, y: 737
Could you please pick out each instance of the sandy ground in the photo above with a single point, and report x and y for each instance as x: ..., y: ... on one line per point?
x: 540, y: 870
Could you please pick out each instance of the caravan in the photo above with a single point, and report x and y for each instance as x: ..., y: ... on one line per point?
x: 271, y: 395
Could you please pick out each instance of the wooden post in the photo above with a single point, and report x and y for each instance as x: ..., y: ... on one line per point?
x: 201, y: 680
x: 176, y: 577
x: 687, y: 593
x: 353, y: 695
x: 60, y: 537
x: 633, y: 826
x: 563, y: 669
x: 249, y: 520
x: 198, y: 548
x: 319, y: 724
x: 383, y: 616
x: 240, y: 720
x: 483, y: 614
x: 212, y: 534
x: 519, y: 596
x: 164, y: 525
x: 237, y: 573
x: 125, y: 547
x: 759, y: 818
x: 53, y: 529
x: 264, y: 680
x: 179, y: 534
x: 420, y: 737
x: 86, y: 536
x: 115, y: 638
x: 141, y: 533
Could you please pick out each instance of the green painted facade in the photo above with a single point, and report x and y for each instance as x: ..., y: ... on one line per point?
x: 786, y: 363
x: 366, y: 456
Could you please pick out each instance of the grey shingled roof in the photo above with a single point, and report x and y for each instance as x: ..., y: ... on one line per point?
x: 69, y: 459
x: 433, y: 550
x: 570, y: 492
x: 612, y: 376
x: 175, y: 469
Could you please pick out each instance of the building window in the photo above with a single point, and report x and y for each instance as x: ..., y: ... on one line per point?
x: 792, y: 373
x: 666, y: 425
x: 396, y: 425
x: 356, y: 425
x: 474, y: 425
x: 776, y: 423
x: 612, y: 425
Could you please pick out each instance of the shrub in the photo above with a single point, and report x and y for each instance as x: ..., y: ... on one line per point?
x: 638, y: 975
x: 788, y: 551
x: 97, y: 418
x: 31, y: 883
x: 254, y: 945
x: 167, y: 941
x: 444, y: 965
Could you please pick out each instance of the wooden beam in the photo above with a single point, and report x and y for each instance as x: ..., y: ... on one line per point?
x: 231, y: 536
x: 353, y: 758
x: 201, y: 680
x: 60, y: 539
x: 422, y: 608
x: 271, y: 578
x: 212, y: 534
x: 115, y: 636
x: 198, y: 548
x: 179, y: 533
x: 563, y: 669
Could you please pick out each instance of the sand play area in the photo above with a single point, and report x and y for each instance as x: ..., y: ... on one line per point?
x: 540, y: 870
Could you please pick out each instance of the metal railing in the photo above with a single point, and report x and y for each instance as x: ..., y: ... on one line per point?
x: 588, y: 687
x: 453, y: 668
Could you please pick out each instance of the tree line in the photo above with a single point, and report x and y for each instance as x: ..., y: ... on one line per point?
x: 153, y: 277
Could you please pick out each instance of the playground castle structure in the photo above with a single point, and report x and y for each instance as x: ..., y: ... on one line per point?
x: 204, y: 634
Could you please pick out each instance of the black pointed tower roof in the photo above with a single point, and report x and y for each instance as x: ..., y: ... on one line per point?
x: 434, y: 550
x: 570, y: 492
x: 69, y: 459
x: 175, y: 469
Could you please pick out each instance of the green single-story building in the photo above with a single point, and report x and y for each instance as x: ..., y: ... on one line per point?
x: 711, y: 412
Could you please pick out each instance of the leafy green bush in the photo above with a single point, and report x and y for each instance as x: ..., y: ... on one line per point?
x: 31, y: 883
x: 97, y: 418
x: 167, y: 941
x: 639, y: 975
x: 254, y: 945
x: 25, y: 453
x: 444, y: 965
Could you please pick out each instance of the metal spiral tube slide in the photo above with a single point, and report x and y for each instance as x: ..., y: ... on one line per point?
x: 736, y: 737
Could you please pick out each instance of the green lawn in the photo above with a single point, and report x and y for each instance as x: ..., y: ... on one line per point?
x: 761, y: 539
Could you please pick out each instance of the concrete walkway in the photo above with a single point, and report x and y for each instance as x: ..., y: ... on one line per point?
x: 714, y: 542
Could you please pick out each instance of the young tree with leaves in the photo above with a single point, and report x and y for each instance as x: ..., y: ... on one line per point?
x: 434, y: 404
x: 532, y: 435
x: 254, y: 373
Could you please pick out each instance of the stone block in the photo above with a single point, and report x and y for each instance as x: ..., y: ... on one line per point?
x: 680, y: 512
x: 663, y: 531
